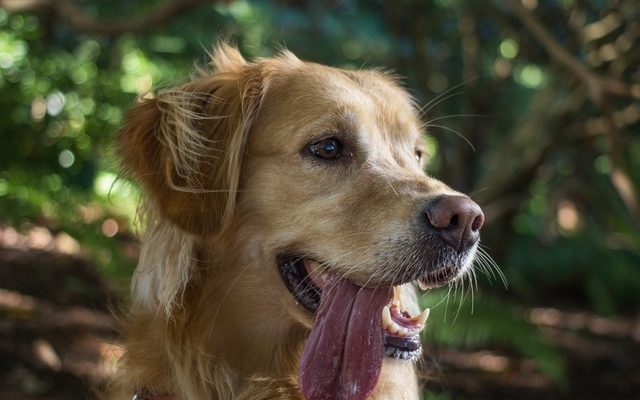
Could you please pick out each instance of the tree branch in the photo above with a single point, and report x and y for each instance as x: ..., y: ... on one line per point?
x: 600, y: 91
x: 596, y: 84
x: 79, y: 20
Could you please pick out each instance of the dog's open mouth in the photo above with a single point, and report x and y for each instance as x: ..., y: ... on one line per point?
x: 354, y: 328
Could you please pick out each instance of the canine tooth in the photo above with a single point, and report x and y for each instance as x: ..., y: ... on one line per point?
x: 422, y: 284
x: 386, y: 317
x: 396, y: 297
x: 422, y: 318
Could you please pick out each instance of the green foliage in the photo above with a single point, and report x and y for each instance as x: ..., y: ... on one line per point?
x: 492, y: 322
x: 606, y: 278
x: 26, y: 199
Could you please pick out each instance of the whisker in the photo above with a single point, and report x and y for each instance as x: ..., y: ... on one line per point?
x: 215, y: 315
x: 473, y: 285
x: 484, y: 266
x: 477, y: 191
x: 438, y: 99
x: 392, y: 188
x: 461, y: 302
x: 446, y: 128
x: 493, y: 266
x: 457, y: 116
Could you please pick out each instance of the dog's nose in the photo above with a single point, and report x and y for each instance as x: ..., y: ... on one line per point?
x: 457, y: 219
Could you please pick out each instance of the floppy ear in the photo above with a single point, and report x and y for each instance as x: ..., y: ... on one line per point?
x: 186, y: 145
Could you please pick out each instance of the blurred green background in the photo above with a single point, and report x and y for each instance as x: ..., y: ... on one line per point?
x: 531, y: 106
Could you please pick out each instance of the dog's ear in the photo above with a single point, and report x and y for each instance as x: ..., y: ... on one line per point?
x: 186, y: 145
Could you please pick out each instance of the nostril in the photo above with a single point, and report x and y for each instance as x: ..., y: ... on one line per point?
x: 477, y: 223
x: 454, y: 220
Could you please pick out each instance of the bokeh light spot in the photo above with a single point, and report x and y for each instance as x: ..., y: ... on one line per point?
x: 508, y: 48
x: 66, y: 158
x: 103, y: 183
x: 110, y: 227
x: 530, y: 76
x: 38, y: 109
x: 502, y: 68
x: 55, y: 103
x: 568, y: 217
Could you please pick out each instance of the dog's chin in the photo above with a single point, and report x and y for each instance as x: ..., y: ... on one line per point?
x: 305, y: 278
x: 450, y: 267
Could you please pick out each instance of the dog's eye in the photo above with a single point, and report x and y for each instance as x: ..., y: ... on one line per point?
x: 418, y: 155
x: 326, y: 148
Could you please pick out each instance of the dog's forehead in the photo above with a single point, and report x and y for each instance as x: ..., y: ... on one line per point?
x: 316, y: 92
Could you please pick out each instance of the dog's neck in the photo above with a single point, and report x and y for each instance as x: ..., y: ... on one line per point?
x: 226, y: 331
x: 231, y: 333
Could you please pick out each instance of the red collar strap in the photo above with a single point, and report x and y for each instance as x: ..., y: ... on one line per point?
x: 148, y: 394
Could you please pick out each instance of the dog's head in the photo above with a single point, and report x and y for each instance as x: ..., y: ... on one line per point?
x: 313, y: 178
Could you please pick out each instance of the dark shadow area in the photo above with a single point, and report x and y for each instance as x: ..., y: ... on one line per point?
x: 57, y: 337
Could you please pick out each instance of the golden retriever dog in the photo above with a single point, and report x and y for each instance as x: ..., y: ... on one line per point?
x: 289, y: 226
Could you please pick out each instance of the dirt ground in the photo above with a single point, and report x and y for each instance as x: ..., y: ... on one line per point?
x: 58, y: 340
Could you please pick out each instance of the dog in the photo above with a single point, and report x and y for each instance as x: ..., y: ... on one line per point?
x: 289, y: 226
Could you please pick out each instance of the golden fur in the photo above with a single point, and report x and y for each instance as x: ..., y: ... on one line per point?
x: 229, y: 187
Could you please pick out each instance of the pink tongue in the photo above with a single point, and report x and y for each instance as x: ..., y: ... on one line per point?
x: 343, y: 355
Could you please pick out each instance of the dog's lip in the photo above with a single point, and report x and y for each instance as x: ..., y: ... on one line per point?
x: 301, y: 285
x: 438, y: 278
x: 305, y: 278
x: 315, y: 272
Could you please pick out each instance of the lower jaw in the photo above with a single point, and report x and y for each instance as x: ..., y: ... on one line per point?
x: 400, y: 348
x: 404, y: 355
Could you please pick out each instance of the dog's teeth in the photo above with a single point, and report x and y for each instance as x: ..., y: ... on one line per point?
x: 422, y: 284
x: 422, y: 318
x: 393, y: 328
x: 396, y: 297
x: 386, y: 317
